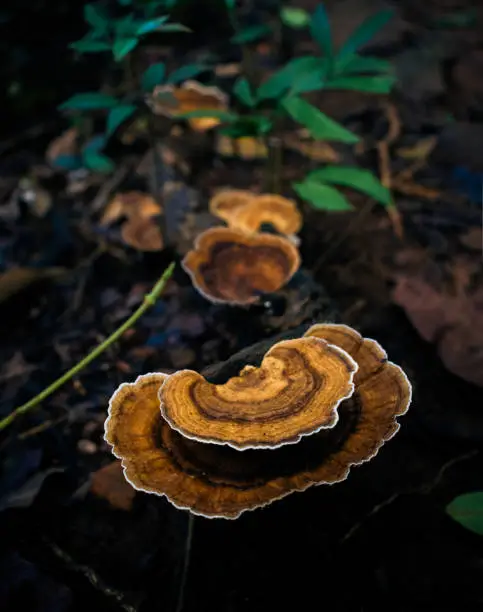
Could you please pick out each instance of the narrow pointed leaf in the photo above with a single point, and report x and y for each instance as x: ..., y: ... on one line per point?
x: 89, y: 101
x: 153, y: 76
x: 467, y: 510
x: 117, y: 116
x: 224, y: 116
x: 318, y: 124
x: 251, y: 34
x: 360, y: 64
x: 368, y: 84
x: 321, y: 32
x: 98, y: 162
x: 186, y: 72
x: 96, y: 17
x: 243, y: 92
x: 355, y: 178
x: 123, y: 46
x: 294, y: 17
x: 151, y: 25
x: 90, y: 46
x: 309, y: 81
x: 322, y: 197
x: 282, y: 80
x: 365, y: 32
x: 173, y: 27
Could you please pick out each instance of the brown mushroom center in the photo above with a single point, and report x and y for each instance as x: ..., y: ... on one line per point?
x: 238, y: 271
x: 255, y: 467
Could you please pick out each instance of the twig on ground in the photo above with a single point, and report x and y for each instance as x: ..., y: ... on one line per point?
x: 108, y: 187
x: 186, y: 563
x: 149, y: 300
x: 90, y: 575
x: 423, y: 489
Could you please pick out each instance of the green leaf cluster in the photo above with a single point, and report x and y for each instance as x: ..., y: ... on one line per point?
x: 120, y: 35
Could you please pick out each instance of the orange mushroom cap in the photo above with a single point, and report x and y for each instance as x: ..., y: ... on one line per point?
x: 173, y: 101
x: 217, y: 481
x: 295, y: 392
x: 228, y: 203
x: 268, y: 208
x: 236, y: 268
x: 381, y: 386
x: 142, y: 233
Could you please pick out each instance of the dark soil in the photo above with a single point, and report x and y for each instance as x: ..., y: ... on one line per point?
x: 379, y: 540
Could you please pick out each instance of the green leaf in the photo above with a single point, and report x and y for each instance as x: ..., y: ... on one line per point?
x: 319, y: 125
x: 97, y: 143
x: 123, y: 46
x: 90, y: 46
x: 457, y: 19
x: 224, y: 116
x: 67, y: 162
x: 321, y: 32
x: 309, y: 81
x: 186, y: 72
x: 282, y: 80
x: 153, y: 76
x: 96, y: 17
x: 359, y: 64
x: 118, y: 116
x: 322, y: 197
x: 467, y: 510
x: 254, y: 126
x: 367, y: 84
x: 126, y: 27
x: 355, y: 178
x: 243, y: 92
x: 174, y: 27
x: 230, y: 4
x: 364, y: 33
x: 98, y: 162
x: 294, y: 17
x: 151, y: 25
x: 251, y: 34
x: 89, y: 101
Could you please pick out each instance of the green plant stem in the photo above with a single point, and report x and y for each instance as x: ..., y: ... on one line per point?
x: 148, y: 302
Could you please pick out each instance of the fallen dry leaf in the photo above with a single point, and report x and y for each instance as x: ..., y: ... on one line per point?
x: 16, y: 279
x: 228, y: 70
x: 424, y: 305
x: 316, y: 150
x: 65, y: 144
x: 473, y: 239
x: 420, y: 150
x: 450, y: 317
x: 109, y: 483
x: 130, y: 204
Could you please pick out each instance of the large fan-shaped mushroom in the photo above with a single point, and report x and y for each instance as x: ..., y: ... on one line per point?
x: 219, y: 481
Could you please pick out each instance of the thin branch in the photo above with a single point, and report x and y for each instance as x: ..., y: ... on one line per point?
x: 186, y: 562
x: 149, y: 300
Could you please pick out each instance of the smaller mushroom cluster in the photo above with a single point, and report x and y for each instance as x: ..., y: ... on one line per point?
x: 315, y: 406
x: 238, y: 264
